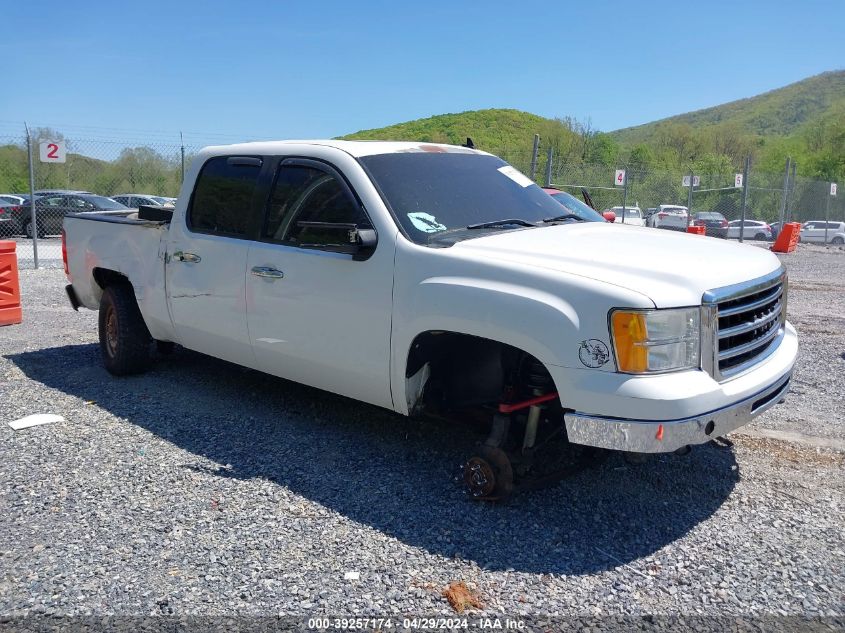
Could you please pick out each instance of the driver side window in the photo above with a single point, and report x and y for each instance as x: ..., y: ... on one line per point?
x: 305, y: 194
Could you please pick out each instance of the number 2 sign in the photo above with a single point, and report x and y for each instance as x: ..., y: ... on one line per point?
x: 52, y: 151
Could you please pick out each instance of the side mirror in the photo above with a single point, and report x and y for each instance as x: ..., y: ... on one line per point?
x: 360, y: 243
x: 365, y: 242
x: 610, y: 216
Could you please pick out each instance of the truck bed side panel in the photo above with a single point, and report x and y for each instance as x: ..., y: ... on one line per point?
x: 134, y: 249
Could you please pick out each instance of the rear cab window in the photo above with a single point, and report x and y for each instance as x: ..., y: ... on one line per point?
x: 222, y: 201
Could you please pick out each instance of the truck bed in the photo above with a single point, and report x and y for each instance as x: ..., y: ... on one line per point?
x: 119, y: 242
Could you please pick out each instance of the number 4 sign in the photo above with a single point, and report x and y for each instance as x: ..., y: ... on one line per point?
x: 619, y: 179
x: 52, y: 151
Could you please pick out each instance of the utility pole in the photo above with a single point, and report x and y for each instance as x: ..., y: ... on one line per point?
x: 745, y: 171
x: 534, y: 156
x: 789, y: 200
x: 826, y: 216
x: 782, y: 215
x: 624, y: 196
x: 182, y: 144
x: 689, y: 197
x: 33, y: 213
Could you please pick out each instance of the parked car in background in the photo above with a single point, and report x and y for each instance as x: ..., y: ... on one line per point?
x: 632, y: 216
x: 135, y: 200
x: 51, y: 211
x: 752, y: 230
x: 814, y: 231
x: 58, y: 192
x: 573, y: 205
x: 715, y: 224
x: 12, y: 198
x: 8, y: 219
x: 669, y: 216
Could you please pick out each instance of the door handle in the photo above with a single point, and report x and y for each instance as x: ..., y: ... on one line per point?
x: 189, y: 258
x: 267, y: 272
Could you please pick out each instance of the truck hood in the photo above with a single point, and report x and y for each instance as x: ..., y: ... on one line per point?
x: 670, y: 268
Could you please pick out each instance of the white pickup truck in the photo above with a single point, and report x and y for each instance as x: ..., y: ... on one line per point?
x: 436, y: 280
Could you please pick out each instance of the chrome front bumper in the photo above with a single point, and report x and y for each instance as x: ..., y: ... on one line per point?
x: 665, y: 436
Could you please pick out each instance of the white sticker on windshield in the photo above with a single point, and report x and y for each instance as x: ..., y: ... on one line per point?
x: 517, y: 176
x: 425, y: 222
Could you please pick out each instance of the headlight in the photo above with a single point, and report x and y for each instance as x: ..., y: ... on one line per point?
x: 655, y: 340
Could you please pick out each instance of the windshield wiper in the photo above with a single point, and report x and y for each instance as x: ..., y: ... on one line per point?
x: 505, y: 222
x: 565, y: 216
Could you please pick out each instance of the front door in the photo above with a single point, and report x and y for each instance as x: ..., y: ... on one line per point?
x: 813, y: 232
x: 206, y: 260
x: 317, y: 315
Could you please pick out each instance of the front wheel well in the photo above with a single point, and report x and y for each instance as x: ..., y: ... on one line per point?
x: 446, y: 371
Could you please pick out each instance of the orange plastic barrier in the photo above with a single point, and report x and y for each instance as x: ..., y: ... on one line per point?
x: 698, y: 230
x: 10, y: 287
x: 787, y: 238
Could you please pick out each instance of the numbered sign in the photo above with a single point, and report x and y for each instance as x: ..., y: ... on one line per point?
x: 52, y: 151
x: 738, y: 180
x: 696, y: 180
x: 619, y: 178
x: 833, y: 188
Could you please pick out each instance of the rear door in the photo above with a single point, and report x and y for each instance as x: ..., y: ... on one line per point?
x: 316, y: 314
x: 206, y: 259
x: 52, y: 210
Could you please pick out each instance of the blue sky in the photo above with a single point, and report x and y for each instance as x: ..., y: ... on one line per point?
x: 279, y: 69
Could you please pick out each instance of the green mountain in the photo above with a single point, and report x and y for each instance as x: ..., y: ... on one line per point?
x: 782, y: 112
x: 507, y: 133
x: 494, y: 130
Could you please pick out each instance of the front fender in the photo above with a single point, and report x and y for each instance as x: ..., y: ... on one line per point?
x: 541, y: 312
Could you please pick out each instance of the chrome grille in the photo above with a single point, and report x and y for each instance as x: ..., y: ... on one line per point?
x: 748, y: 321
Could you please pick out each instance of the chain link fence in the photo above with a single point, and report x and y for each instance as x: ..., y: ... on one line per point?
x: 96, y: 170
x: 770, y: 199
x: 99, y: 163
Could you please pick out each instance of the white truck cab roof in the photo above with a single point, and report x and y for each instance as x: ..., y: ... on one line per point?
x: 354, y: 148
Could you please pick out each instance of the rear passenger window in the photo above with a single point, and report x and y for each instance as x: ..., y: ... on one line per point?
x: 222, y: 198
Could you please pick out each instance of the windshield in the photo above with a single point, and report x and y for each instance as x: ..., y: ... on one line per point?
x: 435, y: 193
x: 629, y: 213
x: 161, y: 200
x: 105, y: 204
x: 574, y: 205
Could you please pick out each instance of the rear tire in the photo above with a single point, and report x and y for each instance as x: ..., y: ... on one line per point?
x: 165, y: 348
x: 838, y: 241
x: 760, y: 237
x: 124, y: 338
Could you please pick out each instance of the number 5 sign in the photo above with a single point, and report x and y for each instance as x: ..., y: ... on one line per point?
x: 52, y: 151
x: 619, y: 178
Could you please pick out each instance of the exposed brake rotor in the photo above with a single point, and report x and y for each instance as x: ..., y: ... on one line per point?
x: 488, y: 475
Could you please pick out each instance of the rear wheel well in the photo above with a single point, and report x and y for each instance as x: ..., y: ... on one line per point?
x: 105, y: 277
x: 447, y: 371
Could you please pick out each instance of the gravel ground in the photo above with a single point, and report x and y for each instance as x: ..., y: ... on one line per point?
x: 817, y: 310
x: 204, y: 488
